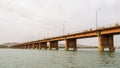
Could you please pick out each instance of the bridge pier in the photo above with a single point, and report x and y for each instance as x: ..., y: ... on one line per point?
x: 70, y: 43
x: 16, y: 47
x: 21, y: 47
x: 27, y: 46
x: 53, y: 44
x: 106, y: 41
x: 30, y: 46
x: 33, y: 46
x: 43, y: 45
x: 36, y: 45
x: 24, y: 46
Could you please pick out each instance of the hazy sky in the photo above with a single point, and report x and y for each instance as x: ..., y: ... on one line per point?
x: 25, y: 20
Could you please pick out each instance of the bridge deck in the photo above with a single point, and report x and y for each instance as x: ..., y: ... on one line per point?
x: 92, y: 33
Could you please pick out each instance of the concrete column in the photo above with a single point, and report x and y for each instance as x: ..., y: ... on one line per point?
x: 16, y: 47
x: 21, y: 46
x: 39, y: 45
x: 30, y: 46
x: 106, y: 41
x: 33, y: 45
x: 53, y: 44
x: 36, y: 45
x: 111, y: 43
x: 43, y: 45
x: 100, y: 41
x: 26, y: 46
x: 70, y: 43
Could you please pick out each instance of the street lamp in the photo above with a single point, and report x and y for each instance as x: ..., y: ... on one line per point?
x: 97, y: 18
x: 47, y: 33
x: 97, y: 22
x: 63, y: 29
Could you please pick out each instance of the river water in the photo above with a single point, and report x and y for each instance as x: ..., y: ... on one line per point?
x: 83, y: 58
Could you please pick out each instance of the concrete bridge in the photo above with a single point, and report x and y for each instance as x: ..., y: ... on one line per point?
x: 105, y: 39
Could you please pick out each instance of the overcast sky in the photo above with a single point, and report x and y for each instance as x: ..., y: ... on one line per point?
x: 25, y: 20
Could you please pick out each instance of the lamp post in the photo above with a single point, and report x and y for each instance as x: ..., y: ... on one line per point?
x: 47, y: 33
x: 63, y: 29
x: 97, y: 18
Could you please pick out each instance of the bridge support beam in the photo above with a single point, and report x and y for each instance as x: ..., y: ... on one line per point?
x: 43, y: 45
x: 22, y: 47
x: 33, y: 46
x: 70, y: 43
x: 30, y: 46
x: 26, y: 46
x: 36, y: 45
x: 53, y: 44
x: 106, y: 41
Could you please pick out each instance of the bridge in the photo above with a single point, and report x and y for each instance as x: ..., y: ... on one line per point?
x: 105, y: 39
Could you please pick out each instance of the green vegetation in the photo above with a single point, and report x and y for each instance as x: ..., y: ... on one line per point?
x: 3, y: 46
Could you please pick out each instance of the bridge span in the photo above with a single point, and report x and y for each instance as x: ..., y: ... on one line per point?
x: 105, y: 39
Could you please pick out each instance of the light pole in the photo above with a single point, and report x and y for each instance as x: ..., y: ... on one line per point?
x: 97, y: 18
x: 47, y: 33
x: 63, y: 29
x: 97, y: 22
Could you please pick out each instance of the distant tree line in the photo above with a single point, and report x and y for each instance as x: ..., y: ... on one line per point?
x: 3, y: 46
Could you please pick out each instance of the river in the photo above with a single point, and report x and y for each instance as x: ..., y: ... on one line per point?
x: 83, y: 58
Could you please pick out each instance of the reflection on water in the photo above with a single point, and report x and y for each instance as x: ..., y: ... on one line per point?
x: 107, y: 58
x: 83, y: 58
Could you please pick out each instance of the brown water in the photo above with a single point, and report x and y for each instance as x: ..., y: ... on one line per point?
x: 83, y: 58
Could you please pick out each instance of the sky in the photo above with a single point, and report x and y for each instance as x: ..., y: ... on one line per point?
x: 27, y: 20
